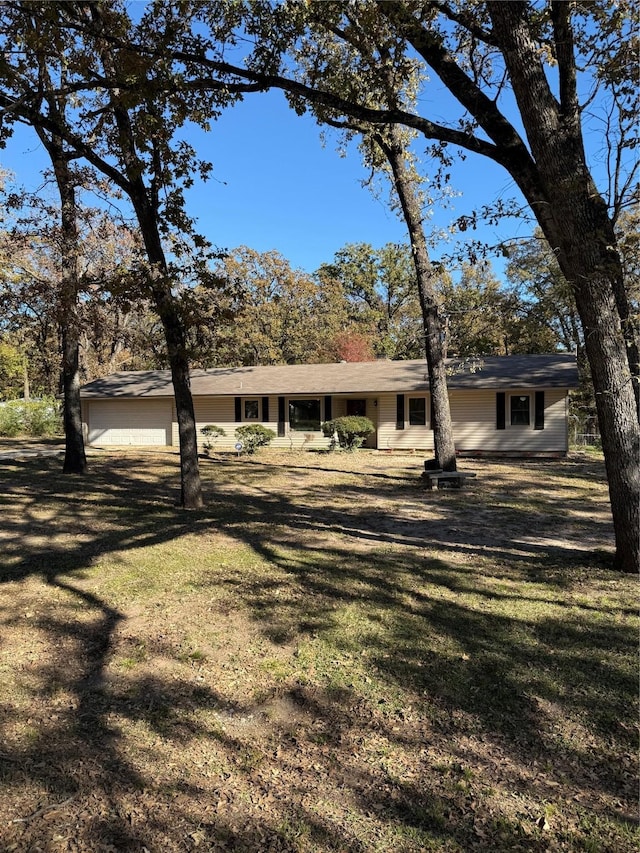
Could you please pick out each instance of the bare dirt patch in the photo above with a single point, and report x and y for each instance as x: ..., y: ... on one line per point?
x: 328, y: 657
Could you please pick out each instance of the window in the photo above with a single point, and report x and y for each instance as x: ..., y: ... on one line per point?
x: 520, y: 415
x: 417, y: 411
x: 304, y: 415
x: 251, y: 410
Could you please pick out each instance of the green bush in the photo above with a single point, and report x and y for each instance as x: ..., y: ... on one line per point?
x: 254, y: 436
x: 30, y: 417
x: 349, y: 432
x: 211, y: 433
x: 44, y: 417
x: 11, y: 420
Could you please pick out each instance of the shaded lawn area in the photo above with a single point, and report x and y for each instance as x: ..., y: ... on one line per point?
x: 326, y: 658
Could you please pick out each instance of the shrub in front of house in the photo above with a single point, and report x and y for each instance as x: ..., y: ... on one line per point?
x: 348, y: 432
x: 30, y: 417
x: 211, y: 433
x: 254, y: 436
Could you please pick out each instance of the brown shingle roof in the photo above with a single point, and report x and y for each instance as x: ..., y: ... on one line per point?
x: 517, y: 371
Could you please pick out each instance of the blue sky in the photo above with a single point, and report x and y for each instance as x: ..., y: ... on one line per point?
x: 274, y: 186
x: 283, y: 190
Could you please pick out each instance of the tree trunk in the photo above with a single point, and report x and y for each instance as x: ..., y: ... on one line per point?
x: 617, y: 417
x: 26, y: 393
x: 145, y: 204
x: 576, y: 223
x: 443, y: 439
x: 75, y: 460
x: 608, y: 356
x: 167, y: 308
x: 191, y: 488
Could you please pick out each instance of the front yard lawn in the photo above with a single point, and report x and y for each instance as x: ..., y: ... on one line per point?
x: 326, y: 658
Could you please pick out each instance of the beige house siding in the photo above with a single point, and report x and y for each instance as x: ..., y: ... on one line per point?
x: 474, y: 424
x: 474, y: 421
x: 221, y: 412
x: 409, y: 438
x: 153, y: 421
x: 212, y: 410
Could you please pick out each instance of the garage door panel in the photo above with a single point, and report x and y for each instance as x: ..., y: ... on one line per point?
x: 133, y: 422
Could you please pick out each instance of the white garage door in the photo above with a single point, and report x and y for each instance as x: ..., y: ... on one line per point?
x: 130, y: 422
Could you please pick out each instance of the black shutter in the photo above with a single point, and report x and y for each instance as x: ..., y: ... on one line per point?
x: 280, y: 416
x: 265, y: 410
x: 501, y: 409
x: 400, y: 411
x: 238, y: 405
x: 431, y: 418
x: 539, y: 413
x: 327, y: 408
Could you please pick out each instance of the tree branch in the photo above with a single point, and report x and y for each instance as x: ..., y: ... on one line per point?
x: 465, y: 20
x: 328, y: 99
x: 564, y: 46
x: 18, y: 109
x: 429, y: 45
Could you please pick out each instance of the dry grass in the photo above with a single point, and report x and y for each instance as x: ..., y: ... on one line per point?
x: 326, y: 658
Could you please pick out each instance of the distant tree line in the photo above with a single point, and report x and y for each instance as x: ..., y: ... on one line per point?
x: 255, y: 309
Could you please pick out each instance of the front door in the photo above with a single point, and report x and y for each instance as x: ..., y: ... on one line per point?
x: 357, y: 407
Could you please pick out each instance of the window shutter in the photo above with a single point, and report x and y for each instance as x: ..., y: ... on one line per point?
x: 501, y: 408
x: 400, y: 411
x: 265, y: 410
x: 539, y: 410
x: 327, y: 408
x: 431, y: 418
x: 281, y: 416
x: 238, y: 406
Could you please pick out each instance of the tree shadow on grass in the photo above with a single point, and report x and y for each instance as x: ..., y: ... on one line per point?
x: 490, y: 676
x: 509, y: 667
x: 86, y: 789
x: 496, y: 654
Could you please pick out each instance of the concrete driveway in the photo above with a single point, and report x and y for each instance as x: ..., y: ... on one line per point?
x: 29, y: 451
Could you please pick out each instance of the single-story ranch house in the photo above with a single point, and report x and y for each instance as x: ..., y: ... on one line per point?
x: 508, y: 404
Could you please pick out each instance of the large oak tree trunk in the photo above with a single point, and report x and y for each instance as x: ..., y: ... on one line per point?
x: 443, y: 438
x: 167, y: 308
x: 75, y: 460
x: 608, y: 356
x: 575, y: 221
